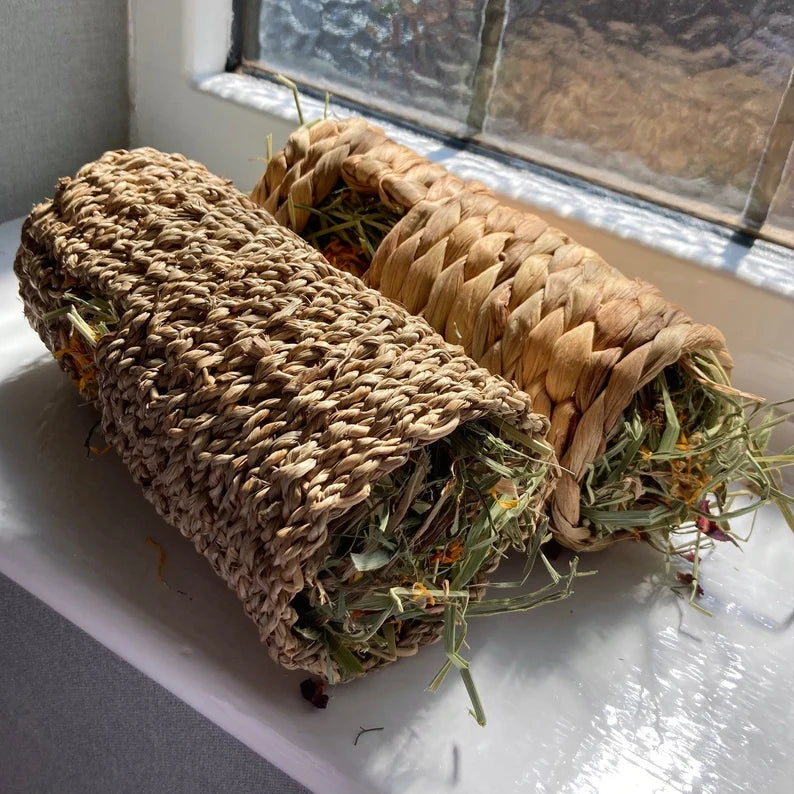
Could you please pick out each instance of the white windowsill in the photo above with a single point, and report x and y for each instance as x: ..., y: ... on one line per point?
x: 611, y: 690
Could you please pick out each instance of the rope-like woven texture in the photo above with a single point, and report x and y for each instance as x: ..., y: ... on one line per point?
x: 524, y: 299
x: 314, y: 160
x: 252, y: 390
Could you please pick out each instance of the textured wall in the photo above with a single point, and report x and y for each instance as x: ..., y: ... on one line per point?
x: 63, y: 92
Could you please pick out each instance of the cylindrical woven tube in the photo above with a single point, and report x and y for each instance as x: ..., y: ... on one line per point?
x: 524, y: 299
x: 253, y: 391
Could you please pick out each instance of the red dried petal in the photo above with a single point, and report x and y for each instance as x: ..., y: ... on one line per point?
x: 715, y: 533
x: 688, y: 578
x: 312, y: 690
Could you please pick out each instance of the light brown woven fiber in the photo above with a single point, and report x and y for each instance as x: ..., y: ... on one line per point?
x: 253, y: 391
x: 524, y: 299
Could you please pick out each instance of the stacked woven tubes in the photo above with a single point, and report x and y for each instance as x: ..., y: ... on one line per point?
x: 523, y: 299
x: 253, y: 391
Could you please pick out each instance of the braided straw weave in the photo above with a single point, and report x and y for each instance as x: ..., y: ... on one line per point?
x: 252, y: 390
x: 524, y: 299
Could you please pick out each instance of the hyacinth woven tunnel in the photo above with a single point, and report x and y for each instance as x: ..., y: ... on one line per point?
x: 643, y: 419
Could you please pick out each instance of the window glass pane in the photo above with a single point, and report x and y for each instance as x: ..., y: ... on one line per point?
x: 780, y: 221
x: 402, y: 55
x: 673, y: 101
x: 671, y: 98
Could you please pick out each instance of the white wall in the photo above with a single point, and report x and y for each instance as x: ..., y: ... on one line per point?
x: 171, y: 115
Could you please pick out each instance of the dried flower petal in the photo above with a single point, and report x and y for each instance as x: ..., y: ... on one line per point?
x: 688, y: 578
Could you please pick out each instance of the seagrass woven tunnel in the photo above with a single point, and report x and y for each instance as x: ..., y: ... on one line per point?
x: 282, y: 415
x: 599, y: 353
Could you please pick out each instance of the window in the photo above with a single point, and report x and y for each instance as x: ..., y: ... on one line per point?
x: 689, y: 104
